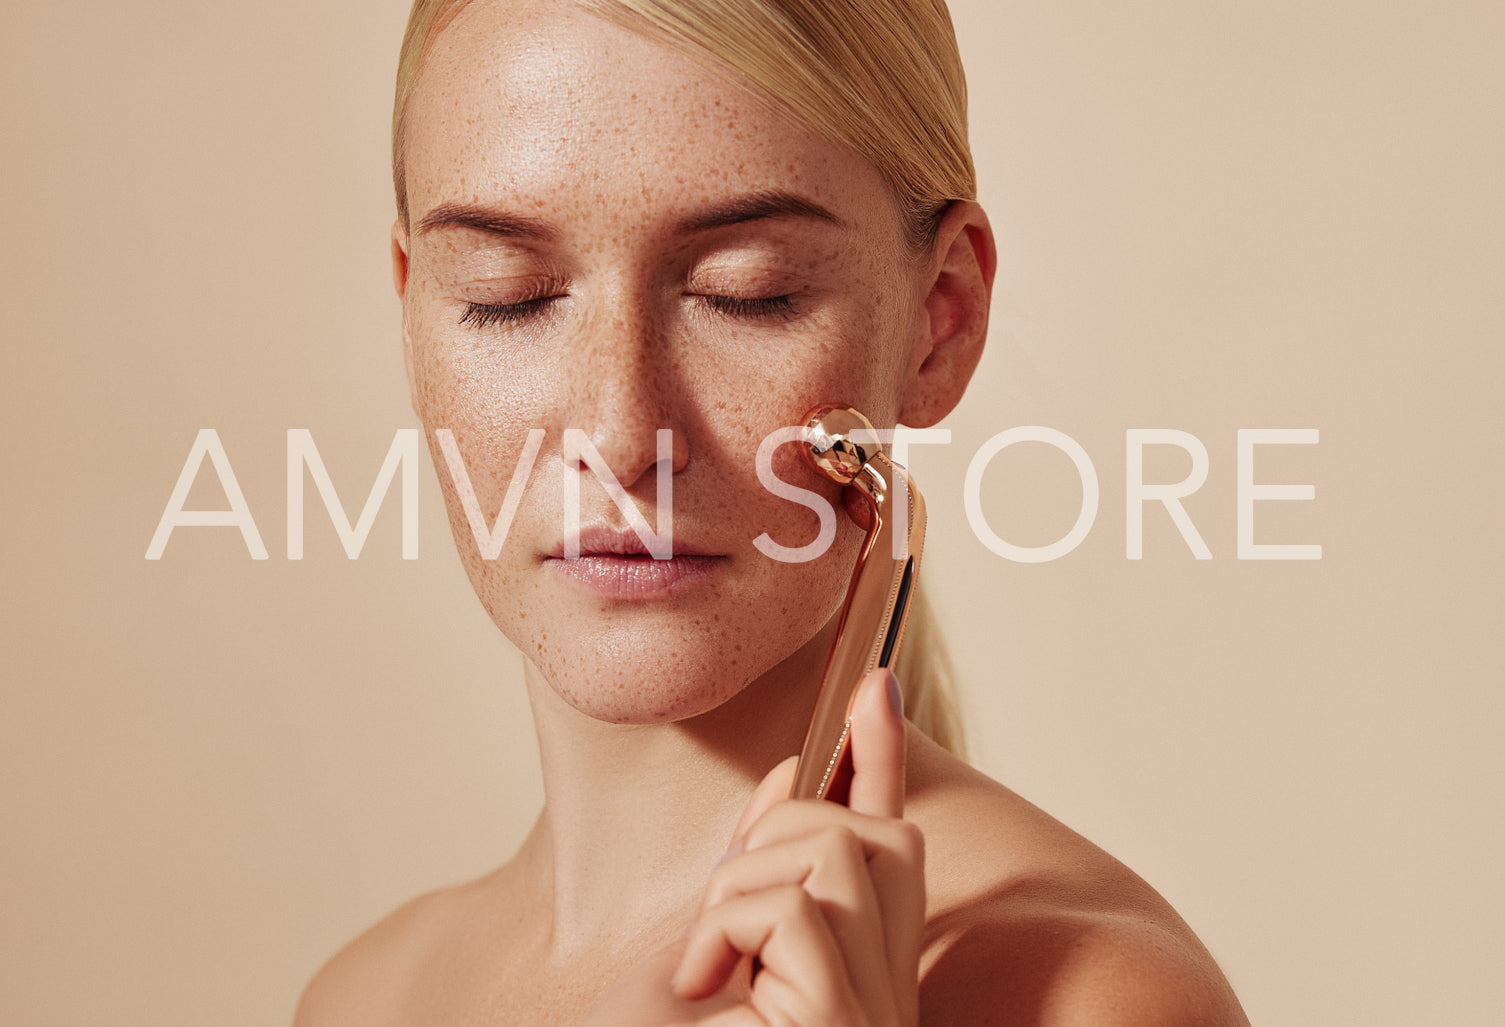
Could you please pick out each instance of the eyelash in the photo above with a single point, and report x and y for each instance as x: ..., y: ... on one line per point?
x: 484, y: 315
x: 761, y: 308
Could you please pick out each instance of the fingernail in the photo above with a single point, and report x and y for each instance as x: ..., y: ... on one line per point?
x: 895, y: 696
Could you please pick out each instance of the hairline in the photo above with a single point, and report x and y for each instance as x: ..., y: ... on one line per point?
x: 919, y: 229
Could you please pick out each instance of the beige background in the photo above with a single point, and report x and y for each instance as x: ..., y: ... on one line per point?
x: 1212, y: 217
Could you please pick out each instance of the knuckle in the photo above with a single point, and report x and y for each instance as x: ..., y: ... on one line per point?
x: 796, y: 903
x: 910, y: 840
x: 840, y: 842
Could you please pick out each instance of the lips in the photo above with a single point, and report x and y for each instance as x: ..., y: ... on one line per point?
x: 616, y: 564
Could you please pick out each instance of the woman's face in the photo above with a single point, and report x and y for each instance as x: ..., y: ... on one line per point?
x: 606, y: 236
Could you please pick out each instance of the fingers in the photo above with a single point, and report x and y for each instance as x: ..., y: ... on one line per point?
x: 831, y: 867
x: 830, y: 899
x: 888, y: 853
x: 856, y: 931
x: 879, y: 752
x: 803, y: 978
x: 878, y: 746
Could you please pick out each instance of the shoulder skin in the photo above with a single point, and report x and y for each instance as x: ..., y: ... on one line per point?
x: 371, y: 981
x: 1029, y: 923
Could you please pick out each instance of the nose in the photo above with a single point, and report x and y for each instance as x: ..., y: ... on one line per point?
x: 625, y: 390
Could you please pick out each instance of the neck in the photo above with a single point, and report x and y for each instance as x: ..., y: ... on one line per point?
x: 636, y: 815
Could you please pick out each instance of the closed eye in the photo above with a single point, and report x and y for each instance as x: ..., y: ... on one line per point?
x: 484, y: 315
x: 764, y: 308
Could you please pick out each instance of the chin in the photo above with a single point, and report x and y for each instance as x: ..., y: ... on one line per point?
x: 622, y: 674
x: 651, y: 677
x: 664, y: 693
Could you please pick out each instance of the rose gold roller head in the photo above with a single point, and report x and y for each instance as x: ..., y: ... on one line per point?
x: 842, y: 445
x: 839, y: 441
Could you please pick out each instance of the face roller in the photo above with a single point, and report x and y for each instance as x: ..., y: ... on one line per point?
x: 843, y: 446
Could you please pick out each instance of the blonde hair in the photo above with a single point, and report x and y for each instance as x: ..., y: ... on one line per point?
x: 883, y: 77
x: 928, y: 679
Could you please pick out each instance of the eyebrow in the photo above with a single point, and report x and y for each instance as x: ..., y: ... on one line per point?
x: 769, y: 204
x: 485, y: 219
x: 773, y: 203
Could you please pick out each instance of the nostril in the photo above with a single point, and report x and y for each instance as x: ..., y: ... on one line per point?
x: 679, y: 450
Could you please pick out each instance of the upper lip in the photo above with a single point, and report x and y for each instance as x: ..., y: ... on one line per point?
x: 606, y: 540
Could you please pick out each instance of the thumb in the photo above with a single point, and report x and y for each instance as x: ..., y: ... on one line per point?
x: 878, y: 746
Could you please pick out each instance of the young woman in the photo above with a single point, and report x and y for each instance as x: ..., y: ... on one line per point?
x: 710, y: 217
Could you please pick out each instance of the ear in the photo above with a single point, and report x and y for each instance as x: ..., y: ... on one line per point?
x: 955, y: 322
x: 400, y: 283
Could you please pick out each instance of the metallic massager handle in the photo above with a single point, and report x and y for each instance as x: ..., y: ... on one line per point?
x: 843, y: 446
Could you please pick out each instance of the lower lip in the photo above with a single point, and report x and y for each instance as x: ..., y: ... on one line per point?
x: 633, y: 577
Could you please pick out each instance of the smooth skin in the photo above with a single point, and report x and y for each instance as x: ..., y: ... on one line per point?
x: 606, y: 235
x: 830, y: 899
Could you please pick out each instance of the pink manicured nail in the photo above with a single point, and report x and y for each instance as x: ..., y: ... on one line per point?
x: 895, y: 696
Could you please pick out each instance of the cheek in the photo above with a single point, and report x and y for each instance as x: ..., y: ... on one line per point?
x: 461, y: 387
x: 675, y: 662
x: 487, y: 394
x: 857, y: 357
x: 851, y: 364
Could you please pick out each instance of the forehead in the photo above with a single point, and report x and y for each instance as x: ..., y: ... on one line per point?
x: 541, y: 101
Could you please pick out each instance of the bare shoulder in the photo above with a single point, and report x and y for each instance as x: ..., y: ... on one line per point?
x: 1029, y: 923
x: 1054, y: 965
x: 371, y: 981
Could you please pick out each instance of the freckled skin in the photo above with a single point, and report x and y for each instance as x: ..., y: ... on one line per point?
x: 657, y: 717
x: 612, y: 141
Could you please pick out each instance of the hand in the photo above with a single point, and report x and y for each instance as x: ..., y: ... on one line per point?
x: 830, y: 900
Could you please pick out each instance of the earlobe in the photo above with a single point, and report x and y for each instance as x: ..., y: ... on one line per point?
x: 955, y: 325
